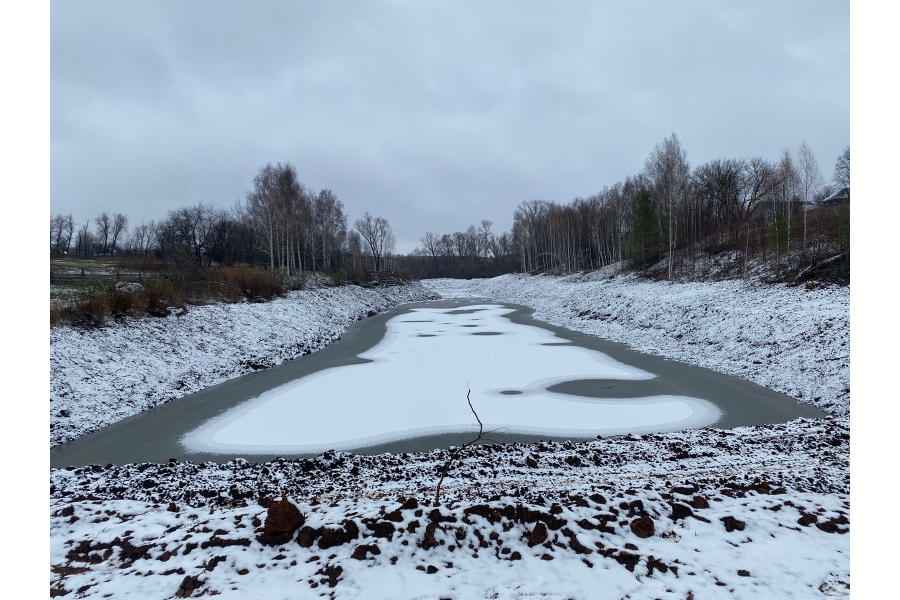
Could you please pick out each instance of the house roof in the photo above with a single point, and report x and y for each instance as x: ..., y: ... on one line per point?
x: 842, y: 195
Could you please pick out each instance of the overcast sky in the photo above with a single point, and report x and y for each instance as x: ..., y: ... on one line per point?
x: 434, y: 115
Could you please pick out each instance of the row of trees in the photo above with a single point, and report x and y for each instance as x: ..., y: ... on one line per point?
x: 475, y: 252
x: 104, y: 240
x: 281, y: 224
x: 757, y: 208
x: 752, y: 208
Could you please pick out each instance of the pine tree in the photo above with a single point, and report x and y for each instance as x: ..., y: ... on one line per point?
x: 645, y: 241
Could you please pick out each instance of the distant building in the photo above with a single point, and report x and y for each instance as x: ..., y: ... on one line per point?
x: 839, y: 197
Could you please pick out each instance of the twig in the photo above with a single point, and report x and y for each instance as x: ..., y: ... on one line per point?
x: 454, y: 454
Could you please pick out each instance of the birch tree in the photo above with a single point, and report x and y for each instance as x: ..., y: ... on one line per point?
x: 667, y: 169
x: 810, y: 181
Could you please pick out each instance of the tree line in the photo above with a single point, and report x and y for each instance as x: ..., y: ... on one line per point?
x: 281, y: 225
x: 475, y: 252
x: 745, y: 211
x: 669, y: 217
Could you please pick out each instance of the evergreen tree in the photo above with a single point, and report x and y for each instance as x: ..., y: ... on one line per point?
x: 645, y: 241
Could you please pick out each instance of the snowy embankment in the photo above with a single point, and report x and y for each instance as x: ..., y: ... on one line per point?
x: 755, y: 512
x: 101, y: 376
x: 789, y: 339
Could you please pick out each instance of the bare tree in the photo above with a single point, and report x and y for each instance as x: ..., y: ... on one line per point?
x: 330, y: 225
x: 378, y: 237
x: 142, y: 237
x: 119, y: 225
x: 430, y: 243
x: 758, y: 182
x: 354, y: 249
x: 84, y: 242
x: 103, y: 227
x: 278, y: 207
x: 788, y: 184
x: 810, y: 181
x: 842, y: 169
x: 192, y: 226
x: 484, y: 238
x: 668, y: 169
x: 61, y: 231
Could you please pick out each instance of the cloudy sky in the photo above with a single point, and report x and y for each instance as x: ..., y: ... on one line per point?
x: 434, y: 115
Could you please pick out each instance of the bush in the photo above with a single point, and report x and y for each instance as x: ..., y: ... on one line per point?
x: 160, y: 294
x: 155, y: 296
x: 252, y: 283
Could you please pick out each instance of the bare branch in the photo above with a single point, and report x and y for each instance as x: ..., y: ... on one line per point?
x: 455, y: 452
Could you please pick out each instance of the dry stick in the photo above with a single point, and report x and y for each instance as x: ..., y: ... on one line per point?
x: 456, y: 451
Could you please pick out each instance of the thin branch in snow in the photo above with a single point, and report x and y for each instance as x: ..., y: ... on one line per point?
x: 455, y: 452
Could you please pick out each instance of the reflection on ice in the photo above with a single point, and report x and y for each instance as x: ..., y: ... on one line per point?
x: 416, y: 385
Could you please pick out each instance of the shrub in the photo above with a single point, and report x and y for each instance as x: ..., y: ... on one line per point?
x: 252, y: 283
x: 101, y: 298
x: 159, y: 294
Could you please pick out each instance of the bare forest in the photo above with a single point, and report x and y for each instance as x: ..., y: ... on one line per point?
x: 730, y: 217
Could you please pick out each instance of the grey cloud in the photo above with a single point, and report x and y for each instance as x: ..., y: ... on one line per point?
x: 434, y: 115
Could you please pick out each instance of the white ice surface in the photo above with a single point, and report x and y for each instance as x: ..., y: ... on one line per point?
x: 416, y: 384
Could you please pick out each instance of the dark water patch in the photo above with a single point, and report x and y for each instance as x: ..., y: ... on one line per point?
x: 470, y: 325
x: 418, y: 321
x: 615, y: 388
x: 486, y: 333
x: 464, y: 311
x: 510, y: 392
x: 447, y: 440
x: 427, y: 335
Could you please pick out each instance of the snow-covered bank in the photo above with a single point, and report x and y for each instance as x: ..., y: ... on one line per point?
x: 755, y: 512
x: 752, y: 512
x: 789, y: 339
x: 98, y: 377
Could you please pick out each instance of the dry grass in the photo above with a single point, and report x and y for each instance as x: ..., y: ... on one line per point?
x: 99, y: 300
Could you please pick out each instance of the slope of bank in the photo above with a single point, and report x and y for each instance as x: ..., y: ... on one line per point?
x: 755, y: 512
x: 101, y: 376
x: 790, y: 339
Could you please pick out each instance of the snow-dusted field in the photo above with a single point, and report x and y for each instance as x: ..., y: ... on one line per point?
x: 101, y: 376
x: 753, y: 512
x: 788, y: 339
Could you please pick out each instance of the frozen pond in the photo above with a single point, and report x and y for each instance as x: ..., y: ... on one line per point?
x: 415, y: 384
x: 397, y: 382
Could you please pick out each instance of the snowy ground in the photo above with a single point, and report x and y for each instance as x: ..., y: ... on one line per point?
x: 754, y: 512
x: 757, y: 512
x: 101, y: 376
